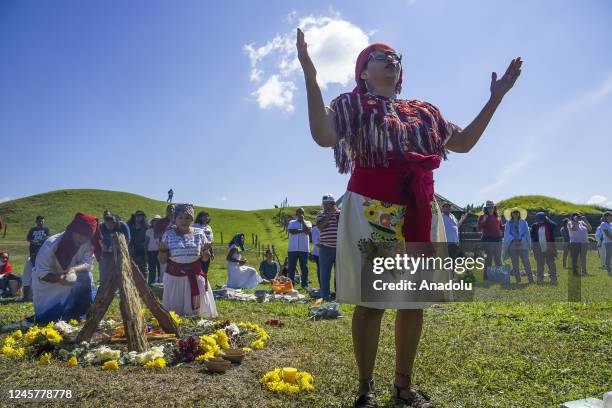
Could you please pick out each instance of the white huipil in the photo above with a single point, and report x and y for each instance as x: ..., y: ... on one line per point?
x: 185, y: 249
x: 241, y: 276
x: 51, y: 300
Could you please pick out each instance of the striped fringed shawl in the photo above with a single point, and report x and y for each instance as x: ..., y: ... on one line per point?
x: 371, y: 128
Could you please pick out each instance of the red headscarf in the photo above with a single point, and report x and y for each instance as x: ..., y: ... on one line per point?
x: 83, y: 224
x: 362, y: 61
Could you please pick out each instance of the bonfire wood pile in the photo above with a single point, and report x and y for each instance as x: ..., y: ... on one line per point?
x: 126, y: 277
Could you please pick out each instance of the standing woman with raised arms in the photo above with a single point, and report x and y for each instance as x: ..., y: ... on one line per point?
x: 391, y: 147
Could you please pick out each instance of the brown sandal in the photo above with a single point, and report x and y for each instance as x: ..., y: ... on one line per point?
x: 416, y: 398
x: 368, y: 399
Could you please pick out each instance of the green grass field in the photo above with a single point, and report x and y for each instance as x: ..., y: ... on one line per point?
x: 549, y: 204
x: 527, y: 353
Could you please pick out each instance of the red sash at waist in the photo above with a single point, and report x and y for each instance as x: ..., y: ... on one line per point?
x: 409, y: 183
x: 191, y: 271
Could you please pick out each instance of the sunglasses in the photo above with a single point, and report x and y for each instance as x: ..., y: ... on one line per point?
x: 386, y: 56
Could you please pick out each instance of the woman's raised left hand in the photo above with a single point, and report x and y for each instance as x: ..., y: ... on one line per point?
x: 499, y: 87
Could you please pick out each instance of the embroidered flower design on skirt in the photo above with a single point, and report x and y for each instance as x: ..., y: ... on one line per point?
x: 386, y: 219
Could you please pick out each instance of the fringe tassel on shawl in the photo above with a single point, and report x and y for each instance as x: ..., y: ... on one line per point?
x: 366, y: 129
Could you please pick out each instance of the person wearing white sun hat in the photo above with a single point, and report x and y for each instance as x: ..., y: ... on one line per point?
x: 517, y: 241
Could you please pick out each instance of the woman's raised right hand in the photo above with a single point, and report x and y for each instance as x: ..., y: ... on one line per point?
x: 305, y: 60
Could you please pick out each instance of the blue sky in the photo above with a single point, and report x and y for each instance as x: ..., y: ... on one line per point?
x: 205, y: 97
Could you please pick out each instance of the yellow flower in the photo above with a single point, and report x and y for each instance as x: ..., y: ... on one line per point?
x: 209, y: 346
x: 175, y: 317
x: 17, y: 334
x: 371, y: 212
x: 31, y: 334
x: 262, y: 336
x: 72, y: 362
x: 44, y: 359
x: 154, y: 322
x: 247, y: 349
x: 157, y: 363
x: 221, y: 338
x: 305, y: 381
x: 51, y: 334
x: 257, y: 344
x: 273, y: 381
x: 111, y: 365
x: 48, y: 331
x: 73, y: 322
x: 13, y: 352
x: 272, y: 376
x: 9, y: 341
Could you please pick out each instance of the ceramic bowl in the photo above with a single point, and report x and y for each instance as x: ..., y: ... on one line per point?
x: 234, y: 355
x: 217, y: 365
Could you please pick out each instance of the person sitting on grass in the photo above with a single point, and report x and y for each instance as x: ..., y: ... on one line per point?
x: 285, y: 267
x: 62, y: 281
x: 240, y: 276
x: 269, y: 268
x: 26, y: 281
x: 9, y: 283
x: 182, y: 248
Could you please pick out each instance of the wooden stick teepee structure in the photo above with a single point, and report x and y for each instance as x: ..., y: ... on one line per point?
x: 126, y: 277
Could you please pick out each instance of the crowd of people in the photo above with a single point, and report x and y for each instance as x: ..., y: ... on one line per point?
x: 174, y: 251
x: 166, y: 250
x: 511, y: 237
x: 57, y: 275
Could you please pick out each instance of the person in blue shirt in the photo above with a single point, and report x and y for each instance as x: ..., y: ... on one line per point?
x: 269, y: 268
x: 517, y: 241
x: 111, y: 225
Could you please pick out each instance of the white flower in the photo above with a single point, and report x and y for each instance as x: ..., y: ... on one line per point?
x: 107, y: 324
x: 147, y: 356
x: 65, y: 328
x: 234, y: 329
x: 205, y: 323
x: 102, y: 354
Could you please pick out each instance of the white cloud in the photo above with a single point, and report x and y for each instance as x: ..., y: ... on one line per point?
x: 224, y: 198
x: 597, y: 199
x: 275, y: 93
x: 333, y: 44
x: 291, y: 17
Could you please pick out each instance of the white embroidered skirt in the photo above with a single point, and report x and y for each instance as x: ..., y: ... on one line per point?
x: 177, y: 297
x: 370, y: 228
